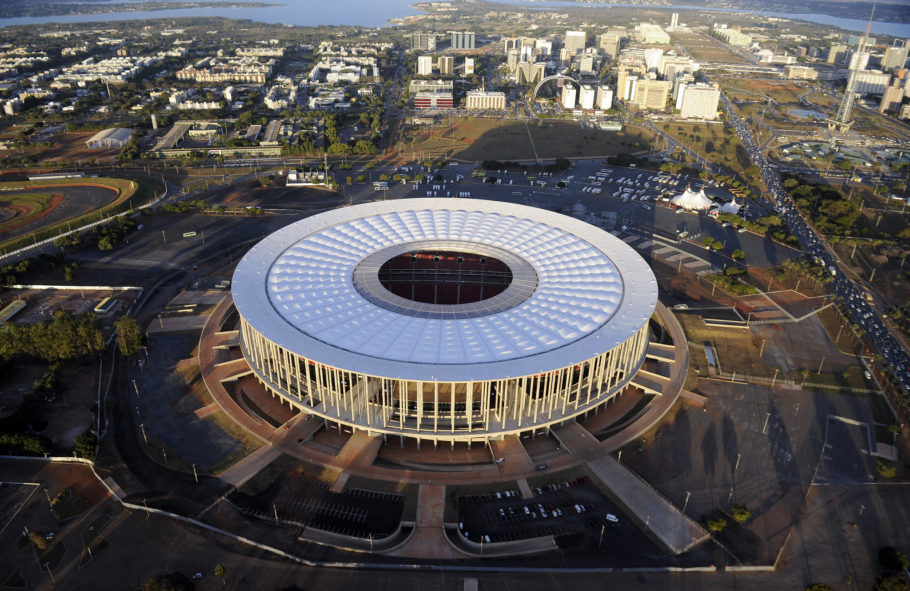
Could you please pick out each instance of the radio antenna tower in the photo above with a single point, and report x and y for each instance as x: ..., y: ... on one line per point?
x: 844, y: 118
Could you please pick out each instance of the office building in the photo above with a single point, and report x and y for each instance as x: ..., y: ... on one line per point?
x: 698, y: 101
x: 604, y: 99
x: 586, y: 96
x: 895, y: 57
x: 423, y: 41
x: 446, y: 65
x: 468, y: 66
x: 568, y: 96
x: 574, y: 41
x: 480, y: 100
x: 462, y: 39
x: 424, y: 65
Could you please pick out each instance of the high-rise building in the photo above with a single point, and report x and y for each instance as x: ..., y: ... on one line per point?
x: 512, y: 59
x: 446, y: 65
x: 609, y: 44
x: 836, y: 54
x: 653, y: 57
x: 650, y: 94
x: 423, y: 41
x: 604, y: 99
x: 530, y: 73
x: 859, y: 60
x: 424, y: 65
x: 575, y: 41
x: 586, y: 96
x: 895, y: 57
x: 674, y: 21
x: 698, y: 101
x: 543, y: 47
x: 586, y: 64
x: 468, y: 66
x: 462, y: 39
x: 892, y: 98
x: 568, y: 96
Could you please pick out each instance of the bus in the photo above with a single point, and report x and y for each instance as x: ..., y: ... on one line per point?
x: 380, y: 186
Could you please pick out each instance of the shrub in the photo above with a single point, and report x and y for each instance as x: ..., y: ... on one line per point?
x: 717, y: 524
x: 885, y: 468
x: 740, y: 513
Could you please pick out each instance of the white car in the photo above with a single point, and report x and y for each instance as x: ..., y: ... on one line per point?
x: 612, y: 518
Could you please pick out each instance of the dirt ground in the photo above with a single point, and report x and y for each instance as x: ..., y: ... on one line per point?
x: 477, y: 139
x: 71, y: 146
x: 253, y: 194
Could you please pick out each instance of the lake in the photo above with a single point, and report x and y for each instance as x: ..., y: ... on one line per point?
x: 376, y: 13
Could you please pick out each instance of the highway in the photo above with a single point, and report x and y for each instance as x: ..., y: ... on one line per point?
x: 850, y: 293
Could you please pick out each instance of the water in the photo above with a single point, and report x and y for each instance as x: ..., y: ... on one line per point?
x: 376, y: 13
x: 850, y: 24
x: 367, y: 13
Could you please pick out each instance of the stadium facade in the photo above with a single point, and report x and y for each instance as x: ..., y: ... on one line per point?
x: 444, y: 319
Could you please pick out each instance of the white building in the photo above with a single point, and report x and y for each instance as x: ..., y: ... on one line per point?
x: 575, y: 41
x: 652, y: 34
x: 586, y: 96
x: 872, y: 81
x: 568, y: 96
x: 604, y: 98
x: 480, y: 100
x: 698, y: 101
x: 424, y: 65
x: 468, y: 66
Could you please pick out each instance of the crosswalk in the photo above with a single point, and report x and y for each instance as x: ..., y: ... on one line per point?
x: 668, y: 253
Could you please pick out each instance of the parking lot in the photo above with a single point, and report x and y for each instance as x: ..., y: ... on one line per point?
x: 561, y: 508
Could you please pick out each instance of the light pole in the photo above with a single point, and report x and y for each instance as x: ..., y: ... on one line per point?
x: 686, y: 502
x: 144, y: 437
x: 195, y: 474
x: 761, y: 351
x: 47, y: 565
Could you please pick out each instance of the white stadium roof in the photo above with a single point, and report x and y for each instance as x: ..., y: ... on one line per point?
x: 577, y: 291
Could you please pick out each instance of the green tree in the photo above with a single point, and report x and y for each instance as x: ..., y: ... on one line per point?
x: 893, y: 559
x: 86, y: 443
x: 738, y: 254
x: 130, y: 337
x: 220, y: 572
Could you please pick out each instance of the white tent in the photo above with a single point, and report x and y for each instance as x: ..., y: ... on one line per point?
x: 690, y: 200
x: 731, y: 207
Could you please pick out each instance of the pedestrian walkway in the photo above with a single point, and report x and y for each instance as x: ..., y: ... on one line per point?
x: 669, y: 253
x: 429, y: 540
x: 661, y: 521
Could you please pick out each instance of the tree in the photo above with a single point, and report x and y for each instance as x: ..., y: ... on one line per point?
x: 893, y: 559
x: 86, y: 443
x: 169, y: 582
x: 130, y: 337
x: 220, y: 571
x: 891, y: 583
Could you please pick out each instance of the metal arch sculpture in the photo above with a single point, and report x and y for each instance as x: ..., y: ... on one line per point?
x: 555, y: 77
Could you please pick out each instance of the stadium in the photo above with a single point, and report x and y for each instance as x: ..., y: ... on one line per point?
x: 451, y: 320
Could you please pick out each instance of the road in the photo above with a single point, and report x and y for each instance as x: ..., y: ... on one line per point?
x: 851, y: 294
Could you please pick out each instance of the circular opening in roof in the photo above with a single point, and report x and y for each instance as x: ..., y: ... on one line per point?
x: 445, y: 277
